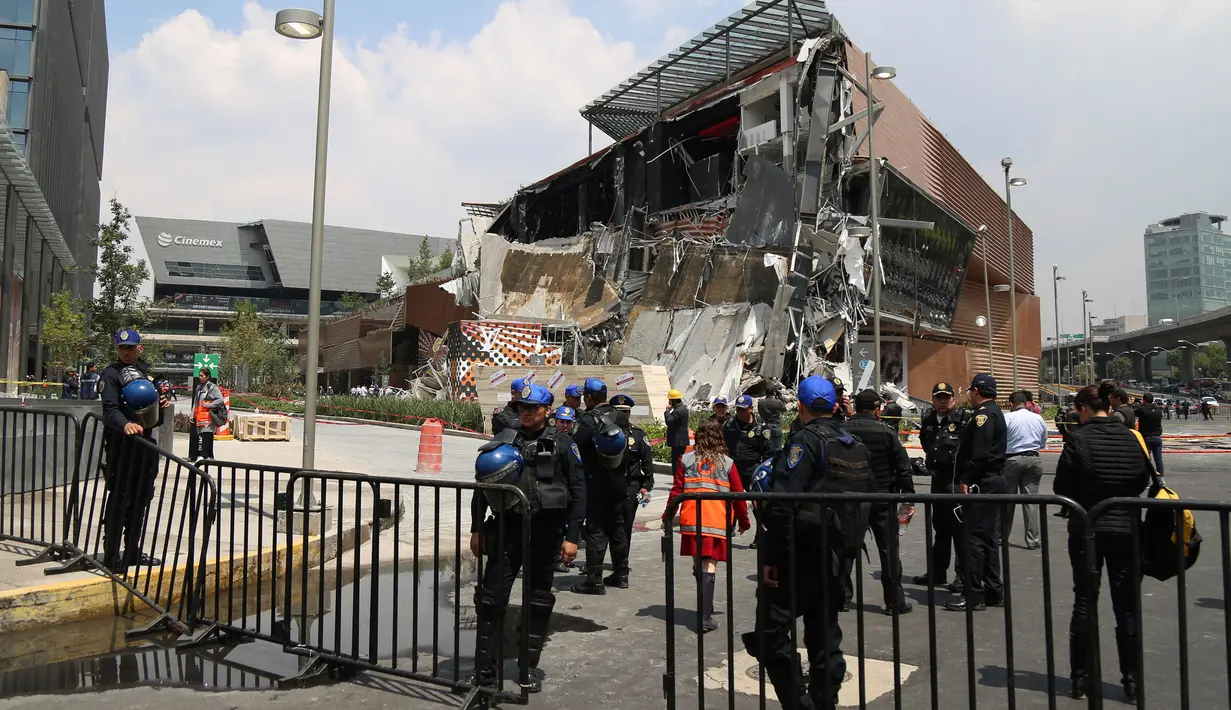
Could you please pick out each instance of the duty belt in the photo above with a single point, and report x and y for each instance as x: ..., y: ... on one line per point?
x: 1022, y: 453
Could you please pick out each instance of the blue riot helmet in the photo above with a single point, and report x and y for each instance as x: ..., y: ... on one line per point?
x: 610, y: 443
x: 502, y: 464
x: 141, y: 398
x: 760, y: 477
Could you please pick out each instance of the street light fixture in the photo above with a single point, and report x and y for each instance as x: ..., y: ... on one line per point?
x: 1009, y: 184
x: 305, y: 24
x: 298, y: 24
x: 872, y: 71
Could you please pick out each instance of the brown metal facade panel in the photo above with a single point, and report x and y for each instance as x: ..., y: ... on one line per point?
x: 341, y: 330
x: 913, y: 145
x: 431, y: 308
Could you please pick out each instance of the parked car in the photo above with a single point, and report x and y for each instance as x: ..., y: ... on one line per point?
x: 1213, y: 403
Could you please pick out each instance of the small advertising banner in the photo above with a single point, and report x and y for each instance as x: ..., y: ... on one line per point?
x: 625, y: 381
x: 498, y: 377
x: 530, y: 377
x: 555, y: 381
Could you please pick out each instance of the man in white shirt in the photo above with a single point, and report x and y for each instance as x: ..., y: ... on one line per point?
x: 1027, y: 435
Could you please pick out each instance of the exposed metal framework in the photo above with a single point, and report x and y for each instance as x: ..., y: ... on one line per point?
x: 761, y: 30
x: 15, y: 170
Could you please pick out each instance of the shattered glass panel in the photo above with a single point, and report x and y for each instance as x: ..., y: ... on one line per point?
x: 924, y: 269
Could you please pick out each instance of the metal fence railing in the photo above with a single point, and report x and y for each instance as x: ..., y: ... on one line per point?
x: 38, y: 455
x: 98, y: 500
x: 809, y: 586
x: 398, y: 603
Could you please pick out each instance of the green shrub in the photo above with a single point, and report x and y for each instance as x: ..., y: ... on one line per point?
x: 465, y: 416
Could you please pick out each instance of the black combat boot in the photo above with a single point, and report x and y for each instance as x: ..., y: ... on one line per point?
x: 1079, y: 652
x: 487, y: 649
x: 706, y: 613
x: 592, y: 584
x: 779, y: 675
x: 536, y: 618
x: 1130, y: 662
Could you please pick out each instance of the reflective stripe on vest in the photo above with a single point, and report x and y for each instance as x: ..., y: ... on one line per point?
x: 713, y: 520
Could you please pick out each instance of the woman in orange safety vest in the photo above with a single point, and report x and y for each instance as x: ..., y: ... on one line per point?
x: 704, y: 524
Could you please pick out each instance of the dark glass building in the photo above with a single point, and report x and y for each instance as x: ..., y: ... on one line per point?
x: 54, y: 55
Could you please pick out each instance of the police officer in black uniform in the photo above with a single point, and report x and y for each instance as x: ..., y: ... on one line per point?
x: 506, y: 417
x: 772, y: 407
x: 940, y: 434
x: 748, y: 441
x: 891, y: 472
x: 980, y: 466
x: 130, y: 469
x: 551, y: 476
x: 814, y: 453
x: 638, y: 482
x: 603, y: 493
x: 840, y: 392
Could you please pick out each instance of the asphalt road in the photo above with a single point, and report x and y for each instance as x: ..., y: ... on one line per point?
x: 612, y: 650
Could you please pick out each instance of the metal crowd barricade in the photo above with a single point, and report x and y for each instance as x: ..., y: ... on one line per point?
x: 946, y: 678
x: 1168, y: 689
x: 247, y: 562
x: 355, y: 599
x: 37, y: 464
x: 141, y: 515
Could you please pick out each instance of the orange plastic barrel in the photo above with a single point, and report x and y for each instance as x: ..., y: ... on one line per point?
x: 431, y: 446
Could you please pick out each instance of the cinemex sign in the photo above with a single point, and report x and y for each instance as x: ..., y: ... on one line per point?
x: 166, y: 240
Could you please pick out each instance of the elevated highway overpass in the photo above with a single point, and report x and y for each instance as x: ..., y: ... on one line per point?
x: 1141, y: 346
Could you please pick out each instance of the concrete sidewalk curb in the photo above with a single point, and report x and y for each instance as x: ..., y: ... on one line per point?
x: 42, y: 605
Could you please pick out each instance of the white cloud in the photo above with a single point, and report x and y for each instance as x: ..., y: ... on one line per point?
x: 212, y: 124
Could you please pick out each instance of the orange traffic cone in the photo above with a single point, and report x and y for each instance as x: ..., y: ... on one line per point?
x: 431, y: 446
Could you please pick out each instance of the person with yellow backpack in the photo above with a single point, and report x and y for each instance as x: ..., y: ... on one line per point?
x: 1102, y: 459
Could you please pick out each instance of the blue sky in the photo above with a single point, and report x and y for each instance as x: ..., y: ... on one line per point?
x: 1114, y: 109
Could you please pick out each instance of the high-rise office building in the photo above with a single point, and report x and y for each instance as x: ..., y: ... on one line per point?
x: 1188, y: 266
x: 54, y: 55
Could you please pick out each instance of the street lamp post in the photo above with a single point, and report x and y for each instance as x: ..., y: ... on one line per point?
x: 884, y: 73
x: 987, y: 296
x: 305, y: 24
x: 1056, y: 278
x: 1090, y: 348
x: 1009, y: 184
x: 1085, y: 321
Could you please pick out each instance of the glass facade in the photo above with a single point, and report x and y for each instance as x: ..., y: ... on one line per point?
x: 17, y: 58
x: 1188, y: 267
x: 202, y: 270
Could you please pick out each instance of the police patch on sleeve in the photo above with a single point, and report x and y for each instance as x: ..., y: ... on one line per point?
x: 765, y: 433
x: 576, y: 452
x: 980, y: 420
x: 794, y: 454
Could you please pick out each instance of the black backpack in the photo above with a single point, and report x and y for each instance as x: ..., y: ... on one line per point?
x: 848, y: 469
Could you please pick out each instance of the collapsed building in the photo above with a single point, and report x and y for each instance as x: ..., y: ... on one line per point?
x: 724, y: 232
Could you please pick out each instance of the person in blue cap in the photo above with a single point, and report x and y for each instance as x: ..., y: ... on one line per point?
x: 566, y: 419
x: 598, y: 417
x: 549, y: 471
x: 980, y: 469
x: 719, y: 411
x: 506, y: 417
x: 819, y: 457
x: 749, y: 443
x: 572, y: 397
x: 130, y: 469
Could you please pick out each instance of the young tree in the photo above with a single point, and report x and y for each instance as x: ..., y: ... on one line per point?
x: 118, y: 280
x: 1120, y: 368
x: 445, y: 261
x: 351, y: 301
x: 426, y: 261
x: 385, y: 285
x: 64, y: 331
x: 1211, y: 360
x: 248, y: 340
